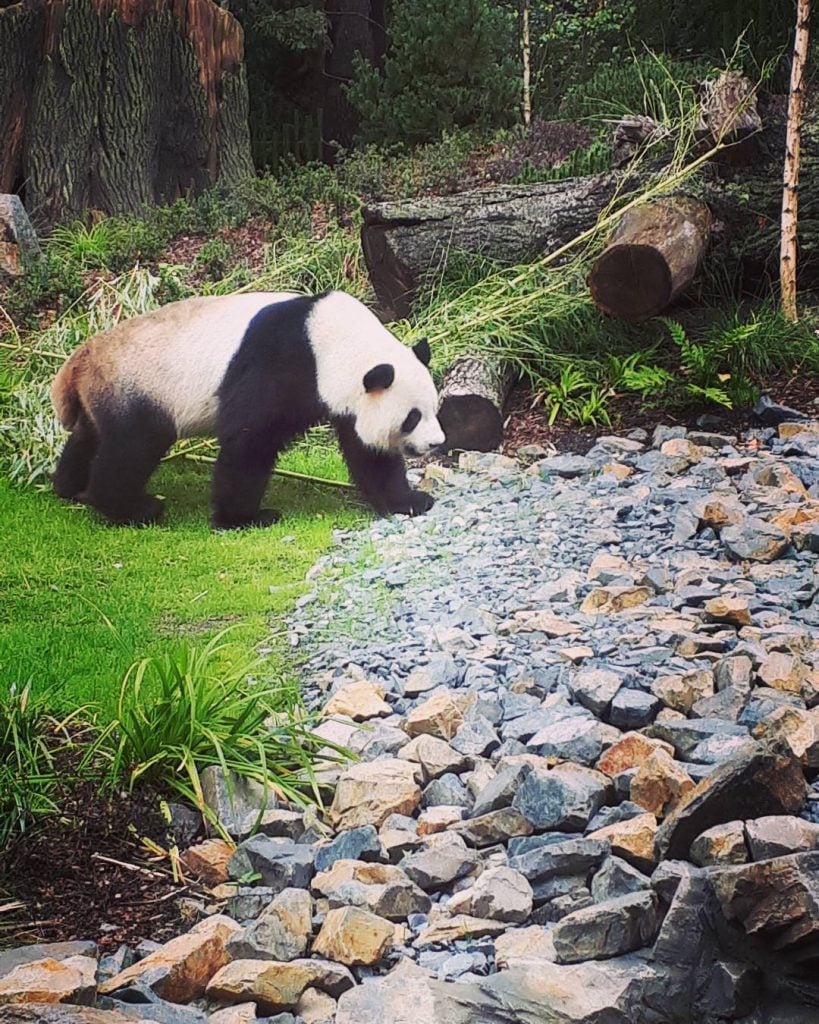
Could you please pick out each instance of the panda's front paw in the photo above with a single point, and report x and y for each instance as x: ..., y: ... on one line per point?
x: 263, y: 518
x: 415, y: 503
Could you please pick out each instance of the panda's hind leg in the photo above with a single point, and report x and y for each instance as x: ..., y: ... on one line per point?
x: 74, y: 467
x: 131, y: 444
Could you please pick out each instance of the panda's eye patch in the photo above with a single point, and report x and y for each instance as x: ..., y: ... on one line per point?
x: 411, y: 422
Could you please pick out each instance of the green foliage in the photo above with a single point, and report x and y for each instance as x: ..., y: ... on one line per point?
x: 215, y: 257
x: 637, y: 83
x: 567, y: 44
x: 444, y: 68
x: 182, y: 711
x: 28, y: 775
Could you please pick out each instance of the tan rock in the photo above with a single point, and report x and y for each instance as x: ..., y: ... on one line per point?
x: 630, y: 752
x: 576, y: 654
x: 619, y: 470
x: 281, y: 932
x: 542, y: 621
x: 360, y: 701
x: 682, y: 448
x: 440, y: 716
x: 782, y: 672
x: 722, y: 844
x: 669, y: 715
x: 660, y: 784
x: 793, y: 731
x: 718, y: 510
x: 242, y: 1013
x: 438, y: 819
x: 805, y: 514
x: 209, y: 860
x: 633, y: 840
x: 681, y: 692
x: 781, y: 477
x: 524, y: 948
x: 791, y: 429
x: 351, y: 935
x: 179, y: 970
x: 606, y: 567
x: 315, y: 1007
x: 277, y: 986
x: 368, y: 793
x: 610, y: 600
x: 458, y: 927
x: 734, y: 610
x: 70, y: 980
x: 343, y: 871
x: 435, y: 756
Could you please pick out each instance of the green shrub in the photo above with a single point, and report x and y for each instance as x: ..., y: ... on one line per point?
x: 215, y: 257
x: 183, y: 711
x: 28, y: 773
x: 446, y: 67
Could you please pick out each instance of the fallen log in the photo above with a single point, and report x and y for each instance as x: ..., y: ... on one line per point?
x: 407, y: 244
x: 651, y: 258
x: 473, y: 394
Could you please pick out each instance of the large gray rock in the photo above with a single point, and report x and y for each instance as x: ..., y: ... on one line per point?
x: 280, y: 863
x: 238, y: 803
x: 749, y: 785
x: 281, y: 932
x: 566, y: 797
x: 590, y: 993
x: 616, y: 877
x: 559, y: 855
x: 355, y: 844
x: 443, y: 860
x: 604, y: 930
x: 779, y: 834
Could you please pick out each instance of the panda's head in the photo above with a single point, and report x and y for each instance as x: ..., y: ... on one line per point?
x: 397, y: 411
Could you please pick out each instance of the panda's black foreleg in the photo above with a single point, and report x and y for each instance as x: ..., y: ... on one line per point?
x: 74, y: 467
x: 380, y: 477
x: 240, y: 478
x: 131, y: 444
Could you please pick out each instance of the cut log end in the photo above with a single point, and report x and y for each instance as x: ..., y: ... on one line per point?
x: 631, y: 281
x: 470, y: 423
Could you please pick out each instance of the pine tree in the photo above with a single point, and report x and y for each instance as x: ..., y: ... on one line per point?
x: 447, y: 65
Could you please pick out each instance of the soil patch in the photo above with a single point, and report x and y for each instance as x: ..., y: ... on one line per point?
x: 85, y: 874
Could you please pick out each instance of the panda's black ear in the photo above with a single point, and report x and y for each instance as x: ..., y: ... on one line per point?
x: 421, y: 349
x: 379, y: 378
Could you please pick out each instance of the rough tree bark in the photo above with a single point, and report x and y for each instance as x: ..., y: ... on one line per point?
x: 473, y: 393
x: 114, y: 104
x: 408, y: 243
x: 790, y: 195
x: 651, y: 257
x: 730, y: 116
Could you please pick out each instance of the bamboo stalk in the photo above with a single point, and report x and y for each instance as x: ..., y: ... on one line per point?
x: 790, y: 192
x: 288, y: 473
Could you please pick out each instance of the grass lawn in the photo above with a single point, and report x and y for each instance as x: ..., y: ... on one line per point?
x: 81, y: 601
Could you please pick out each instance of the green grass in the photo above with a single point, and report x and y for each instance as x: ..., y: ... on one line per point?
x: 81, y: 601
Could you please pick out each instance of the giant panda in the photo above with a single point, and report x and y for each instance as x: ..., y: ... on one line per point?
x: 255, y: 371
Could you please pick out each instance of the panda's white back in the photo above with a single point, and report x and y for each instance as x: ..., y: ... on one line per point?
x: 179, y: 354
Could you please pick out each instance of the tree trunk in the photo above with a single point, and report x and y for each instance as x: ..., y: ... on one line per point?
x: 127, y: 103
x: 526, y: 54
x: 651, y: 257
x: 406, y: 244
x: 790, y: 196
x: 473, y: 394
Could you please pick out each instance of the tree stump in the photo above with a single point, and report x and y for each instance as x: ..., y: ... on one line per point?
x: 652, y: 256
x: 473, y: 394
x: 116, y: 104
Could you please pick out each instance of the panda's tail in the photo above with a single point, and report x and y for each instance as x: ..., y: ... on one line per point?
x: 65, y: 396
